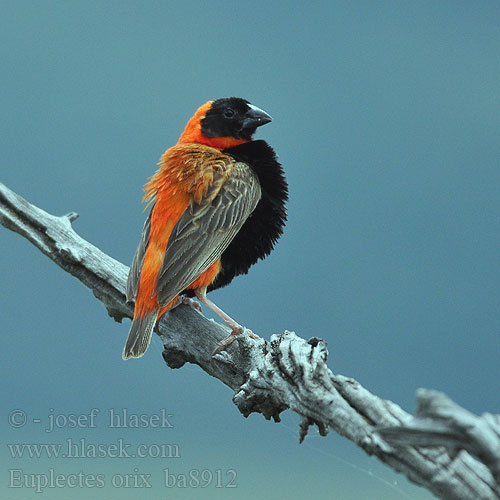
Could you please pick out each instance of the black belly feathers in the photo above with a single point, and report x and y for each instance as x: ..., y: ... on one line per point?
x: 261, y: 231
x: 258, y: 235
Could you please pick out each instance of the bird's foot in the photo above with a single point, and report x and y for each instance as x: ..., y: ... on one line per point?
x: 189, y: 302
x: 251, y: 334
x: 237, y: 330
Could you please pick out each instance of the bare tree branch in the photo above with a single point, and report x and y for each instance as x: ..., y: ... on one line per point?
x: 456, y: 455
x: 439, y: 421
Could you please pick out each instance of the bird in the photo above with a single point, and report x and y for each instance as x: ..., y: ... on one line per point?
x: 217, y: 206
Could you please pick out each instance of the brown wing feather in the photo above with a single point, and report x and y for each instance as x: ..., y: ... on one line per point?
x: 136, y: 266
x: 205, y: 230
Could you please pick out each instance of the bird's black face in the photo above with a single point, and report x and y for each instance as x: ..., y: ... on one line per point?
x: 233, y: 117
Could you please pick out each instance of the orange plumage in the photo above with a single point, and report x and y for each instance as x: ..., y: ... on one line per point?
x: 179, y: 180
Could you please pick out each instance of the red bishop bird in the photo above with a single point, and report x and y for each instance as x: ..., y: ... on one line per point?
x: 217, y: 207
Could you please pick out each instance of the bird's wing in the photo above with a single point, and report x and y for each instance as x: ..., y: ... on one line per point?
x: 136, y: 266
x: 205, y: 230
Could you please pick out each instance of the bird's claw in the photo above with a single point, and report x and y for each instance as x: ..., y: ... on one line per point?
x: 189, y: 302
x: 250, y: 333
x: 226, y: 342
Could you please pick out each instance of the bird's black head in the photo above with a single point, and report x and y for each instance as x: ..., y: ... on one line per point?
x: 233, y: 117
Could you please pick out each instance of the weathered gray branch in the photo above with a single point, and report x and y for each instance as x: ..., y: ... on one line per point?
x: 439, y: 421
x: 456, y: 456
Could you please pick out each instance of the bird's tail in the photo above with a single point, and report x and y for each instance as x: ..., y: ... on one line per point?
x: 139, y: 336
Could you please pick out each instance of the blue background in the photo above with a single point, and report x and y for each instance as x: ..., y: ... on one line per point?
x: 386, y: 119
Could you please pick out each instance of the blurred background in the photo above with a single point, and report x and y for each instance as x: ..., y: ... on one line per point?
x: 386, y: 119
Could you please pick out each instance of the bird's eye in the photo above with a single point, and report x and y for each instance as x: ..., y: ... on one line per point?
x: 228, y: 113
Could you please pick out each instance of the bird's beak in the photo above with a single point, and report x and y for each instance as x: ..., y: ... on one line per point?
x: 255, y: 117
